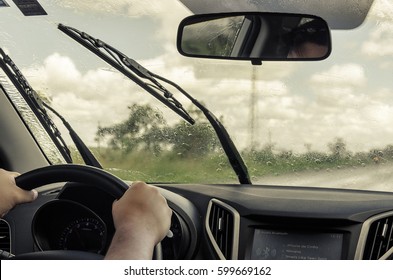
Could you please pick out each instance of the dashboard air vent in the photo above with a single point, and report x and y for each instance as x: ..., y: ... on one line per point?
x: 5, y: 236
x: 222, y: 226
x: 379, y: 239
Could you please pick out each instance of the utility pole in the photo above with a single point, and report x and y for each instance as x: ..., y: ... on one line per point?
x: 253, y: 109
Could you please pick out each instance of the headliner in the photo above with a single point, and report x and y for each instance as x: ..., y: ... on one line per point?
x: 340, y: 14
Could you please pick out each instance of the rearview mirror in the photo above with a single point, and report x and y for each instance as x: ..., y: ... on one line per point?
x: 254, y: 36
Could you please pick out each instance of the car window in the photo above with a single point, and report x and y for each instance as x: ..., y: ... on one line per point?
x: 323, y: 124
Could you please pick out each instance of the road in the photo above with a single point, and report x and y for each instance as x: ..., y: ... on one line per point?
x: 373, y: 177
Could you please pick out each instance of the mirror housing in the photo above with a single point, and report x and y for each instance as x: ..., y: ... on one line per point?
x: 255, y: 36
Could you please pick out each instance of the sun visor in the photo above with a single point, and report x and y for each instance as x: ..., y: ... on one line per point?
x: 338, y: 13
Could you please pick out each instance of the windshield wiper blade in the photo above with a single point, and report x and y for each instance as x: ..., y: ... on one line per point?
x: 129, y: 67
x: 35, y: 103
x: 125, y: 64
x: 84, y: 151
x: 38, y: 106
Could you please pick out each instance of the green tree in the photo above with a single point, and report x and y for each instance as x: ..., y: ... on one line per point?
x: 193, y: 140
x: 144, y: 129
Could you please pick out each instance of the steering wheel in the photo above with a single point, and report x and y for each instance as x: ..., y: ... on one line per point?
x: 79, y: 174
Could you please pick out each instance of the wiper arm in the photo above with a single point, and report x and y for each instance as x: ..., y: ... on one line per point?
x: 229, y: 147
x: 129, y: 68
x: 84, y: 151
x: 125, y: 64
x: 35, y: 103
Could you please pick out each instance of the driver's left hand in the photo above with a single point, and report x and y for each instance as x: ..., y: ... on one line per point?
x: 11, y: 194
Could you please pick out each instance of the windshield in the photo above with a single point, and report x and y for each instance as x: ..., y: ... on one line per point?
x: 322, y: 124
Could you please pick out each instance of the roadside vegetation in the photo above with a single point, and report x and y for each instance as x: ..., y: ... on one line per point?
x: 145, y: 147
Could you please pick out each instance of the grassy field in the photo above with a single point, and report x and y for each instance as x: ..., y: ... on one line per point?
x: 214, y: 168
x: 145, y: 147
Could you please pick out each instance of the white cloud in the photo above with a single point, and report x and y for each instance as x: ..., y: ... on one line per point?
x: 380, y: 42
x: 381, y: 10
x: 86, y: 100
x: 350, y: 74
x: 168, y: 13
x: 135, y: 8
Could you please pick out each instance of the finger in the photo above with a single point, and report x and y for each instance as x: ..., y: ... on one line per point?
x: 14, y: 174
x: 35, y: 194
x: 26, y: 196
x: 5, y: 213
x: 114, y: 203
x: 135, y: 183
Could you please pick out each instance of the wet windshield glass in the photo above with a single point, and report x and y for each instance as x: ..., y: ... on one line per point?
x: 32, y: 122
x: 322, y: 124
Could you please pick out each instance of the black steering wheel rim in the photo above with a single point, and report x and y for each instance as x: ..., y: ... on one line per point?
x: 79, y: 174
x: 72, y: 173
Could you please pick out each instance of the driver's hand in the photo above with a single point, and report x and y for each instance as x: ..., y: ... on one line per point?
x: 142, y: 218
x: 11, y: 194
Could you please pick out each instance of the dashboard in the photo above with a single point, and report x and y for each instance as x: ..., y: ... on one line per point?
x: 278, y: 222
x: 218, y: 222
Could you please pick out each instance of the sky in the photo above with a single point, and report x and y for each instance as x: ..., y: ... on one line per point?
x: 349, y: 95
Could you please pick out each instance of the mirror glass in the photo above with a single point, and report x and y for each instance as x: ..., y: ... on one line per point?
x: 255, y: 36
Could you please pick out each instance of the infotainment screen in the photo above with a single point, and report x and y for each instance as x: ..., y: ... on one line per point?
x: 296, y: 245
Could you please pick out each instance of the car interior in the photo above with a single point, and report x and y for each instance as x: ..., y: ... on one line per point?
x: 245, y: 219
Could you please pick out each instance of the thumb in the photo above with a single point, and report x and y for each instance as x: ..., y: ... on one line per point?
x: 26, y: 196
x: 23, y: 196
